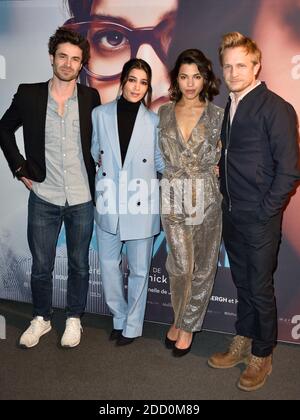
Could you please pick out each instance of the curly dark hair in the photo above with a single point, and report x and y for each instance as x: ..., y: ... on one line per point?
x: 138, y: 63
x: 63, y: 35
x: 211, y: 82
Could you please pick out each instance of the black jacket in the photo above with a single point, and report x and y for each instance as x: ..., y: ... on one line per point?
x: 28, y: 109
x: 259, y: 161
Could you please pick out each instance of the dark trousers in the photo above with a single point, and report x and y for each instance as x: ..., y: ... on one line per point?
x: 44, y: 224
x: 252, y: 248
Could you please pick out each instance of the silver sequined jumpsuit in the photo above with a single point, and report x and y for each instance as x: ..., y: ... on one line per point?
x: 193, y: 248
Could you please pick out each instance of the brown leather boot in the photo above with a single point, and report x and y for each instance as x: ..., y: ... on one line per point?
x: 238, y: 352
x: 256, y: 373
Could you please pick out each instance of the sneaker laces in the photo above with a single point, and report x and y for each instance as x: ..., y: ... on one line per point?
x: 74, y: 323
x: 35, y: 325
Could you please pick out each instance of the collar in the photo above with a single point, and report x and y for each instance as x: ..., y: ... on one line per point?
x: 236, y: 101
x: 128, y: 106
x: 72, y: 97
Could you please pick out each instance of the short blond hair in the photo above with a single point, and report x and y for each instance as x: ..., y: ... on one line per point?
x: 236, y: 39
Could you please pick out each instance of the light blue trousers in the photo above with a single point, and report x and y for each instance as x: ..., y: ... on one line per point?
x: 128, y: 315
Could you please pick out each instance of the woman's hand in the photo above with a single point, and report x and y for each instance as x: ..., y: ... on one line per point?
x: 217, y: 171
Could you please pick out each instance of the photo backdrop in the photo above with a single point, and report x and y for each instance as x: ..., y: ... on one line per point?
x: 25, y: 27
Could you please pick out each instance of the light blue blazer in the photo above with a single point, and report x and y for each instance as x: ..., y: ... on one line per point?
x: 127, y: 196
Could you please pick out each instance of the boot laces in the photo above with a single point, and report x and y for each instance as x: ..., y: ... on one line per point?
x: 237, y: 345
x: 256, y: 362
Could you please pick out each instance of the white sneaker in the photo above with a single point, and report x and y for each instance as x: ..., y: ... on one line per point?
x: 72, y: 334
x: 31, y: 337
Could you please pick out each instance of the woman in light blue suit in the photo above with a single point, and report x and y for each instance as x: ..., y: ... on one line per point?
x: 125, y: 147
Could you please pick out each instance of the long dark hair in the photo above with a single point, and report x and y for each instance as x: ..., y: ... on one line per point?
x: 138, y: 63
x: 211, y: 82
x: 79, y: 9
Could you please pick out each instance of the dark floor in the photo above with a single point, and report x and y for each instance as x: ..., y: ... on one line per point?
x: 144, y: 370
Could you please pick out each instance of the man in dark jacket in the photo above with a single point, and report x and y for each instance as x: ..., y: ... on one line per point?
x: 59, y: 172
x: 258, y: 172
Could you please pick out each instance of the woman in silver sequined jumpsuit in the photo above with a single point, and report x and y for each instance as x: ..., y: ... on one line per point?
x: 191, y: 202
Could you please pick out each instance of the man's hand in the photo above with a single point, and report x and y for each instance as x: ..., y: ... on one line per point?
x: 27, y: 182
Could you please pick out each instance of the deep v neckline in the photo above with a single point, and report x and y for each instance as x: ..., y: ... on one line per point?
x: 186, y: 141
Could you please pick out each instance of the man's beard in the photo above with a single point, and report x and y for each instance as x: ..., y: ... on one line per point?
x: 65, y: 77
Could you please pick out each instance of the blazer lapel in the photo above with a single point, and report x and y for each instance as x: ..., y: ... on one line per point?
x: 113, y: 133
x: 40, y: 122
x: 84, y: 110
x: 226, y: 125
x: 137, y: 133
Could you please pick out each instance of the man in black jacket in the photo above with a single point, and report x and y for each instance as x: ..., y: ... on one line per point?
x: 258, y: 172
x: 59, y: 172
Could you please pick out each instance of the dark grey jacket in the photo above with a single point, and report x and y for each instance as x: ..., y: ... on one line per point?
x: 260, y: 153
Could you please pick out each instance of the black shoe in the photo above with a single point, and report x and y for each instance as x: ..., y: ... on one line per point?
x: 123, y: 341
x: 169, y: 344
x: 182, y: 352
x: 115, y: 334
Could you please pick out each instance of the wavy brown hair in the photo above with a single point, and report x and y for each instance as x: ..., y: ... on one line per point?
x: 211, y: 82
x: 63, y: 35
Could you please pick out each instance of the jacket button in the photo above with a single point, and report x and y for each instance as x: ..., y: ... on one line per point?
x: 104, y: 173
x: 101, y: 151
x: 138, y: 203
x: 144, y: 160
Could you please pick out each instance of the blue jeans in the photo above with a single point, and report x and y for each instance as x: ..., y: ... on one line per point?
x: 44, y: 224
